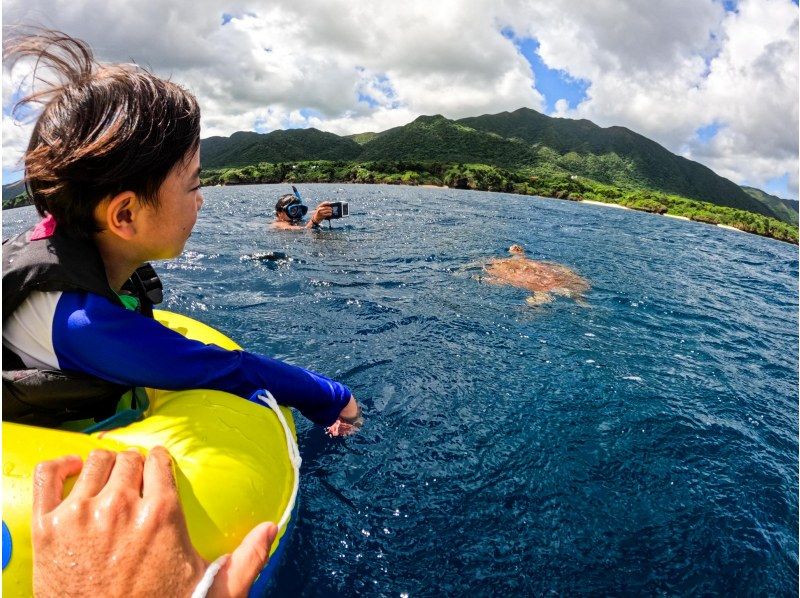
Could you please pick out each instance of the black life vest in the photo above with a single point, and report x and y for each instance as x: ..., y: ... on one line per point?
x: 59, y: 262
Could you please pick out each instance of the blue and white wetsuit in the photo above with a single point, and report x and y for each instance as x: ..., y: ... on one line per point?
x: 85, y: 333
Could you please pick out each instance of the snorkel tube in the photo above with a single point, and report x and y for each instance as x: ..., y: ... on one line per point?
x: 297, y: 217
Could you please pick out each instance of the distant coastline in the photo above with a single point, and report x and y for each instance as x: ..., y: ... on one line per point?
x: 644, y: 201
x: 523, y: 151
x: 482, y: 177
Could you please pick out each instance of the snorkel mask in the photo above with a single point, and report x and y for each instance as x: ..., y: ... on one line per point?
x: 296, y: 210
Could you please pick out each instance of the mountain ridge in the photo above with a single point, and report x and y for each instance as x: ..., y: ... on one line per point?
x: 779, y: 205
x: 655, y: 166
x: 521, y: 139
x: 248, y: 147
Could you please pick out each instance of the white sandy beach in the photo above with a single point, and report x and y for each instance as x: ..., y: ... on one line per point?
x: 738, y: 230
x: 602, y: 203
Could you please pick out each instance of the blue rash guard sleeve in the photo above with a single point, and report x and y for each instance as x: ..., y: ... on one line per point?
x: 93, y: 336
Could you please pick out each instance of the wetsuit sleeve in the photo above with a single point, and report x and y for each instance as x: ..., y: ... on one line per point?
x: 93, y: 336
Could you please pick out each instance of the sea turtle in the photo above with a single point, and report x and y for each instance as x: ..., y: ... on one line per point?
x: 543, y: 279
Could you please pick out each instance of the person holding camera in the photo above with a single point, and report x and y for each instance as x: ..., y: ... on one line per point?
x: 290, y: 211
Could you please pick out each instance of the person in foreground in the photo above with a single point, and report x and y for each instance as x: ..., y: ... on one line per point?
x: 113, y: 168
x: 290, y: 211
x: 121, y: 532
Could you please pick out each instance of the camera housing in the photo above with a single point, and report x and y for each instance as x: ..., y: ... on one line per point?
x: 339, y: 209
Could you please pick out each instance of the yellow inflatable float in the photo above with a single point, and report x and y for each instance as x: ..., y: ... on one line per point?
x: 236, y: 461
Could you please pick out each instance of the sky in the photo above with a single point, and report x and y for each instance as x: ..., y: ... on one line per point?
x: 713, y: 80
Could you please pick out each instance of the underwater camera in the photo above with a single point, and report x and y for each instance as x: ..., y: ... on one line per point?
x: 339, y: 209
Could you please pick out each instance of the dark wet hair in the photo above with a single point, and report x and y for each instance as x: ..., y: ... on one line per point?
x: 284, y: 201
x: 103, y: 129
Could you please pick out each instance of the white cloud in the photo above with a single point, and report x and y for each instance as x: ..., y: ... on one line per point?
x: 666, y: 69
x: 663, y: 69
x: 15, y: 137
x: 377, y: 120
x: 16, y: 131
x: 752, y: 89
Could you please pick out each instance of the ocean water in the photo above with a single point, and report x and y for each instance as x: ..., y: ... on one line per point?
x: 644, y: 444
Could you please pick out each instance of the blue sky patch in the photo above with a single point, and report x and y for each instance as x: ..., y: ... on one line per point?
x: 25, y: 112
x: 11, y: 176
x: 707, y: 132
x: 779, y: 186
x: 381, y: 84
x: 733, y: 5
x: 228, y: 17
x: 310, y: 113
x: 553, y: 84
x: 367, y: 99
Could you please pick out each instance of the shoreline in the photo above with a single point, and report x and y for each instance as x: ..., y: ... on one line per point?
x: 603, y: 203
x: 563, y: 198
x: 587, y: 201
x: 738, y: 230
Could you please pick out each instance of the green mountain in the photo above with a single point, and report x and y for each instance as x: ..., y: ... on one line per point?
x: 11, y: 190
x: 634, y: 159
x: 784, y: 209
x: 15, y: 196
x: 437, y: 139
x: 362, y: 138
x: 245, y: 147
x: 523, y: 140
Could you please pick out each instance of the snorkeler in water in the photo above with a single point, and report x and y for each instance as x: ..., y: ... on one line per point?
x: 290, y: 211
x: 543, y: 279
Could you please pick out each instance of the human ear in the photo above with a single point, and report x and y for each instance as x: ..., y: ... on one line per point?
x: 119, y: 214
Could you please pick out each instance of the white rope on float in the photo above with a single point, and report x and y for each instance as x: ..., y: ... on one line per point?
x: 201, y: 591
x: 294, y: 455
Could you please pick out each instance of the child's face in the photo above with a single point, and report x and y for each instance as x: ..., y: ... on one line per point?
x: 167, y: 227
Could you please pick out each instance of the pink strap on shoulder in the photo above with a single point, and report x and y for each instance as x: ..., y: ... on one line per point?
x: 45, y: 228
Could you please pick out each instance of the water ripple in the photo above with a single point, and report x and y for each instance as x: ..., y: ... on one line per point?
x: 646, y: 444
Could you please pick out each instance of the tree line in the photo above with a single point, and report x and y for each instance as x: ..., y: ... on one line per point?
x: 482, y: 177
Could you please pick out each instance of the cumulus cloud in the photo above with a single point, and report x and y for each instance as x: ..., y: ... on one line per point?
x: 663, y: 69
x: 669, y: 68
x: 752, y: 90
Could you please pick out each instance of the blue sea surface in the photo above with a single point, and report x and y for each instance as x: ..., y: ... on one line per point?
x: 644, y: 444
